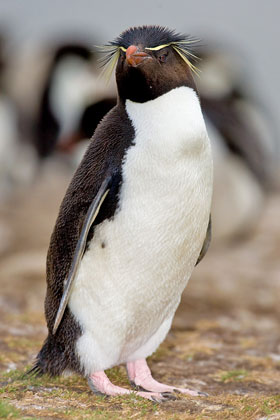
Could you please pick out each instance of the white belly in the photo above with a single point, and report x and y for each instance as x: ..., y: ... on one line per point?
x: 131, y: 279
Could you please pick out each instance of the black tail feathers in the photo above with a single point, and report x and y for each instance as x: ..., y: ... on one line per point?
x: 36, y: 370
x: 54, y: 358
x: 48, y: 361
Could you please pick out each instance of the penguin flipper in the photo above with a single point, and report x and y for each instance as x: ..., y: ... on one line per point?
x: 80, y: 248
x: 206, y: 242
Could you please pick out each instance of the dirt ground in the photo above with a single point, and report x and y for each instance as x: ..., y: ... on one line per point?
x: 225, y: 338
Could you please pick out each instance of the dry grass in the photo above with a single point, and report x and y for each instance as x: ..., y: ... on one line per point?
x: 225, y: 339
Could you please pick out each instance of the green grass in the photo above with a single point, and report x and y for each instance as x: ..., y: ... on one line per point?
x: 234, y: 375
x: 8, y: 412
x: 271, y: 405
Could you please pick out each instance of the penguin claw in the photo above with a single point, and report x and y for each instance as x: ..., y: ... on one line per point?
x: 138, y: 387
x: 156, y: 396
x: 202, y: 394
x: 141, y: 377
x: 166, y: 394
x: 169, y: 396
x: 191, y: 392
x: 150, y: 389
x: 100, y: 384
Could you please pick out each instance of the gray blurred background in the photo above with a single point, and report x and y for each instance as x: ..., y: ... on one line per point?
x: 251, y: 27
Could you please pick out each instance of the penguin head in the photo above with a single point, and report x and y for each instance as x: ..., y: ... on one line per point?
x: 150, y: 61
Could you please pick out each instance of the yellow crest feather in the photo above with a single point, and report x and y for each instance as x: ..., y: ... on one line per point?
x: 110, y: 59
x: 183, y: 52
x: 159, y: 47
x: 112, y: 53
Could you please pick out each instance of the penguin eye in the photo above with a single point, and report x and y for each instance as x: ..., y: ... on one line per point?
x: 163, y: 57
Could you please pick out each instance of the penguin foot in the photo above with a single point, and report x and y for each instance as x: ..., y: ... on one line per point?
x: 140, y: 377
x: 100, y: 384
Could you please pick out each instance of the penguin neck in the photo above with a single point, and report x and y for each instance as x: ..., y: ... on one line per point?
x: 137, y: 88
x: 172, y: 121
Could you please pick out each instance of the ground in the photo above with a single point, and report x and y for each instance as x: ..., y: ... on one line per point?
x: 225, y: 338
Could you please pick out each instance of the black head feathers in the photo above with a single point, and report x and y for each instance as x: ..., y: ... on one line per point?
x: 149, y: 38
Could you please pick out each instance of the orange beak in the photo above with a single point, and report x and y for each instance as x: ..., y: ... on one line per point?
x: 134, y: 56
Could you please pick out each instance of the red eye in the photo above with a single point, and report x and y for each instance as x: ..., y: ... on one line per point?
x: 162, y: 58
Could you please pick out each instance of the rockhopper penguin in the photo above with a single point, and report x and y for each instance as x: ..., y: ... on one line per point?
x: 134, y: 222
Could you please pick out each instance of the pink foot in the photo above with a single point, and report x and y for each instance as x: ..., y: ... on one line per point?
x: 140, y: 376
x: 101, y: 385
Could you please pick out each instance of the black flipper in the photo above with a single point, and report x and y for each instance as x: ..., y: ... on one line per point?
x: 103, y: 158
x: 206, y: 242
x: 80, y: 248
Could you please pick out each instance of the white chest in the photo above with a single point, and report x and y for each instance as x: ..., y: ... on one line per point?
x: 128, y: 288
x: 167, y: 185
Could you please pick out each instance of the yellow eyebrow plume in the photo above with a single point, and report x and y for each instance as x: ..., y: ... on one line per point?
x: 109, y: 61
x: 186, y: 60
x: 112, y: 53
x: 159, y: 47
x: 183, y: 52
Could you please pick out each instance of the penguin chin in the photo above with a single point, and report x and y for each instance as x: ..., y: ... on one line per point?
x: 138, y: 86
x: 149, y: 79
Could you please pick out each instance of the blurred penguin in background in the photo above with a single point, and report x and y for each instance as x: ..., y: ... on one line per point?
x: 71, y: 82
x: 7, y: 126
x: 68, y: 100
x: 55, y: 83
x: 15, y: 168
x: 242, y: 138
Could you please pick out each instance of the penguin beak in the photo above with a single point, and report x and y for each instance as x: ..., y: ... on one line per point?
x: 134, y: 56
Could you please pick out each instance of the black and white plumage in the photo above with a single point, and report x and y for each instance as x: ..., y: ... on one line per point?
x: 147, y: 174
x: 241, y: 134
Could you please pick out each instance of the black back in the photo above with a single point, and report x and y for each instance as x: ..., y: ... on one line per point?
x: 103, y: 158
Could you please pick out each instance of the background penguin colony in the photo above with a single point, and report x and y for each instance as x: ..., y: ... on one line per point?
x: 38, y: 123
